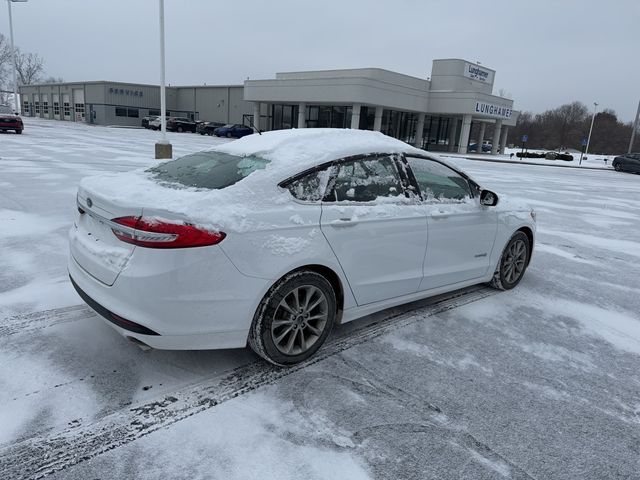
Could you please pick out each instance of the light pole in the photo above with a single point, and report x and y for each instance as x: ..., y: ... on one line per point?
x: 595, y: 107
x: 13, y: 55
x: 163, y: 147
x: 635, y: 127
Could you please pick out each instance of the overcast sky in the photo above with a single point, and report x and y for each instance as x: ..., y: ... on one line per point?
x: 545, y: 52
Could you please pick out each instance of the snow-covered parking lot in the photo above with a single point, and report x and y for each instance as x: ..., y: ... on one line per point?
x: 541, y: 382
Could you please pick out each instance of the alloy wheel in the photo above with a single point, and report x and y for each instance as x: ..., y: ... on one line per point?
x: 299, y: 320
x: 514, y: 262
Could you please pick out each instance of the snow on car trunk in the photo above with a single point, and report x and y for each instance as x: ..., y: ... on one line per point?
x: 94, y: 246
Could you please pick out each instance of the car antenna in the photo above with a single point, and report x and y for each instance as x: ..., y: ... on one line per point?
x: 253, y: 126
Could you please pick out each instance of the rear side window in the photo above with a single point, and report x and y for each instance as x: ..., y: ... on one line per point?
x: 438, y: 182
x: 211, y: 170
x: 365, y: 179
x: 310, y: 187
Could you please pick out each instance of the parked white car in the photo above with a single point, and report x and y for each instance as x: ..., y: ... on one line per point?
x: 274, y: 238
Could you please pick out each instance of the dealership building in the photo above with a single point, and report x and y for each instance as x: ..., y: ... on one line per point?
x: 436, y: 113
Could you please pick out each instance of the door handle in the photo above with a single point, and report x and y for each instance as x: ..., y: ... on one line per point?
x: 343, y: 222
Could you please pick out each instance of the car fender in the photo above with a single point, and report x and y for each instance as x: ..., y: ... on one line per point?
x: 509, y: 222
x: 283, y: 238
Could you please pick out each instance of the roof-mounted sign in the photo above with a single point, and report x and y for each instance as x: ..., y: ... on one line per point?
x: 476, y: 72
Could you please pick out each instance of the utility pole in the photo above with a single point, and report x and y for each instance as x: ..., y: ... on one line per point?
x: 163, y: 147
x: 595, y: 107
x: 16, y: 106
x: 634, y: 129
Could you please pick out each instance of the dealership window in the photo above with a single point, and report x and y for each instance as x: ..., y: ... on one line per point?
x: 436, y: 133
x: 45, y: 107
x: 367, y: 117
x: 154, y: 113
x: 79, y: 108
x: 37, y: 104
x: 25, y: 107
x: 127, y: 112
x: 400, y: 125
x: 284, y: 116
x: 56, y: 108
x: 66, y: 108
x: 327, y: 116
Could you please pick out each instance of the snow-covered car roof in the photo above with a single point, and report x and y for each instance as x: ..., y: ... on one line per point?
x: 288, y: 152
x: 291, y: 151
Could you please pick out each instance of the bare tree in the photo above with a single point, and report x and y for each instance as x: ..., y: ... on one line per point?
x: 5, y: 66
x: 30, y: 67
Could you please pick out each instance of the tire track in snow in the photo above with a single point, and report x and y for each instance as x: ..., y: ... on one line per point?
x: 44, y: 319
x: 38, y: 457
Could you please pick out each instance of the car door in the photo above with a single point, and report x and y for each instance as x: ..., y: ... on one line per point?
x: 633, y: 164
x: 377, y: 232
x: 461, y: 231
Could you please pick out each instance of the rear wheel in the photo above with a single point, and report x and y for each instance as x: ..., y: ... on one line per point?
x: 294, y: 319
x: 229, y: 135
x: 180, y: 129
x: 18, y: 131
x: 617, y: 167
x: 513, y: 263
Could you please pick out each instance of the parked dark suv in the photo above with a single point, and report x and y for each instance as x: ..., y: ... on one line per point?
x: 10, y: 120
x: 181, y: 124
x: 627, y: 163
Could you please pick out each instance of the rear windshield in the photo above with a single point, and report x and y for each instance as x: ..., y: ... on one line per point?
x: 212, y: 170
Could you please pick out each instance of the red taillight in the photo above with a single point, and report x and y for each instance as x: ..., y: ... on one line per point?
x: 155, y: 233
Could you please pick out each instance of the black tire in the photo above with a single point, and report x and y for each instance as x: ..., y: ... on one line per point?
x: 617, y: 167
x: 179, y: 129
x: 513, y: 262
x: 229, y: 135
x: 19, y: 132
x: 301, y: 287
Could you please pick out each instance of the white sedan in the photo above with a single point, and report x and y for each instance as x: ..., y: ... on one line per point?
x: 274, y: 238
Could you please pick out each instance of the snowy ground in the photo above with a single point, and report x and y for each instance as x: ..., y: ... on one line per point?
x: 591, y: 161
x: 541, y: 382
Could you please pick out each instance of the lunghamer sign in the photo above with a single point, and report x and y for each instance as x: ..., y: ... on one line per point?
x: 474, y: 72
x: 493, y: 110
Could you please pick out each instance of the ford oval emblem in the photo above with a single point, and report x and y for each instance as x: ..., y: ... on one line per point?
x: 89, y: 203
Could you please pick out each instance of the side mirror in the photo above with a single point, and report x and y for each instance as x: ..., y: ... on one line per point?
x: 488, y: 198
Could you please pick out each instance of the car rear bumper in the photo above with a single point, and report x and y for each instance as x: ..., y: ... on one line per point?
x: 174, y: 304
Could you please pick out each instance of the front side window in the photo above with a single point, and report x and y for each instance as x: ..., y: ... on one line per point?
x: 364, y: 180
x: 438, y: 182
x: 211, y: 170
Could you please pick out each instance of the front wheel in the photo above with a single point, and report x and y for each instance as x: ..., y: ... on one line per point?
x: 179, y: 129
x: 617, y: 167
x: 294, y: 319
x: 513, y: 263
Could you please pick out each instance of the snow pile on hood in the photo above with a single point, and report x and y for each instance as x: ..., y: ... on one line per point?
x: 234, y: 208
